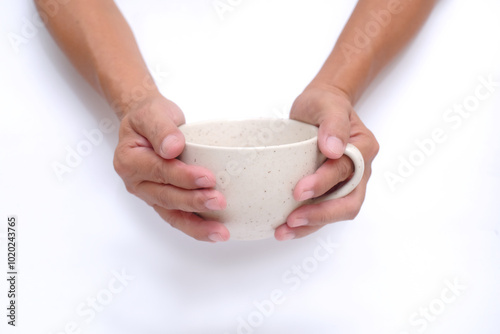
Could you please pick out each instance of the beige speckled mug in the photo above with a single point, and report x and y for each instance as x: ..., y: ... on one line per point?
x: 257, y: 164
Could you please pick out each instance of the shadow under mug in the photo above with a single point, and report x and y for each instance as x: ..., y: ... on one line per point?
x: 257, y: 163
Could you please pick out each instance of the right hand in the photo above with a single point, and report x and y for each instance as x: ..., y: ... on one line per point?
x: 145, y: 158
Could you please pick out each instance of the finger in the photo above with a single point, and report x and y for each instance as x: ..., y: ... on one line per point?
x: 326, y: 177
x: 345, y: 208
x: 331, y: 112
x: 142, y: 163
x: 364, y: 140
x: 334, y: 132
x: 285, y: 232
x: 194, y: 226
x: 173, y: 198
x: 158, y: 125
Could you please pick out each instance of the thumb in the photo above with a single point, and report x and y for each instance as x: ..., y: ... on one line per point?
x: 158, y: 124
x: 334, y: 133
x: 172, y: 144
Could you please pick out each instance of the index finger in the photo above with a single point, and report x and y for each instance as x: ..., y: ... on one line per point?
x: 143, y: 164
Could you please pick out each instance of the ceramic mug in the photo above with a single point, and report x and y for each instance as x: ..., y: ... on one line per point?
x: 257, y: 164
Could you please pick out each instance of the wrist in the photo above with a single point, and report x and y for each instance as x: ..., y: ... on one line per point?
x: 154, y: 103
x: 131, y: 99
x: 350, y: 76
x: 332, y: 87
x: 337, y: 92
x: 126, y: 86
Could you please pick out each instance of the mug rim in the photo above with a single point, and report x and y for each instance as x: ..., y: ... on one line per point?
x: 229, y: 120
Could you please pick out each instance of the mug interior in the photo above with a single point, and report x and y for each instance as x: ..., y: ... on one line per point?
x: 248, y: 133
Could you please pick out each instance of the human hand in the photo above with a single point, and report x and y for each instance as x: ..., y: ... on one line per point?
x: 145, y: 158
x: 331, y: 110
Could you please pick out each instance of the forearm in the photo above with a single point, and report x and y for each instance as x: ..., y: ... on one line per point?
x: 376, y: 31
x: 100, y: 44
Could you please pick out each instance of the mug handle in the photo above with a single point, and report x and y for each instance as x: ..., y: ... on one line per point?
x: 359, y: 167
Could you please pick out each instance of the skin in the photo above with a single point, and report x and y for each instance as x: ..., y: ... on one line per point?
x: 100, y: 44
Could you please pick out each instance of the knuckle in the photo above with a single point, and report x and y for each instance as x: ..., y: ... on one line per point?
x: 120, y: 165
x: 159, y: 172
x: 164, y: 199
x: 344, y: 169
x: 167, y: 215
x: 197, y: 201
x: 191, y: 201
x: 180, y: 220
x: 323, y: 215
x: 325, y: 218
x: 374, y: 147
x: 130, y: 188
x: 186, y: 218
x: 198, y: 236
x: 178, y: 173
x: 352, y: 214
x: 354, y: 210
x: 170, y: 218
x: 173, y: 222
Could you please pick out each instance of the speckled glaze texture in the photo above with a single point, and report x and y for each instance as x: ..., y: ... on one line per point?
x: 257, y: 164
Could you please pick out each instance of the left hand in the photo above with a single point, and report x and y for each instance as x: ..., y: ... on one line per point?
x: 331, y: 110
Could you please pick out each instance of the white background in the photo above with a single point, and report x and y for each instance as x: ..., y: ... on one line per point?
x: 392, y: 262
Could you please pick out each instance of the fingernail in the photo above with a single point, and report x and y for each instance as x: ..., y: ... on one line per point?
x: 202, y: 182
x: 215, y: 237
x: 298, y: 222
x: 213, y: 204
x: 168, y: 142
x: 306, y: 195
x: 335, y: 145
x: 288, y: 236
